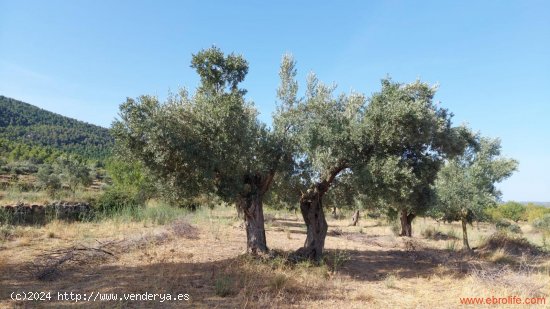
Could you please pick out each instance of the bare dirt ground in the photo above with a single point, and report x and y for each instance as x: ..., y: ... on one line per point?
x: 201, y: 255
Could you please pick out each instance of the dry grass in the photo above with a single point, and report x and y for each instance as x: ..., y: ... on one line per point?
x: 201, y: 254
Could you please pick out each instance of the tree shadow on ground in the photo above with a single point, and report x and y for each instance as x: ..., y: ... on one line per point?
x: 293, y: 226
x: 375, y: 265
x: 239, y: 280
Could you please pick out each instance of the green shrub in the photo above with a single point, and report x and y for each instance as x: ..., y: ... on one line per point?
x: 115, y: 200
x: 534, y: 212
x: 542, y: 223
x: 511, y: 210
x: 23, y: 168
x: 505, y: 226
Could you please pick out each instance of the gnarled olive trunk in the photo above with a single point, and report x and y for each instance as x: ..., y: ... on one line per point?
x: 252, y: 210
x: 250, y: 204
x: 406, y: 223
x: 311, y: 206
x: 465, y: 236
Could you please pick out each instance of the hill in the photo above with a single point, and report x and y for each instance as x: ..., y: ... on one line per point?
x: 25, y: 123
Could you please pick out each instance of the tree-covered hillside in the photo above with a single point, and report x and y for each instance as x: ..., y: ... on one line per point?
x: 31, y: 125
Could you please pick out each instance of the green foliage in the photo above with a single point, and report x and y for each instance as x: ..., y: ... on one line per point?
x: 466, y: 185
x: 451, y: 245
x: 21, y: 168
x: 325, y: 132
x: 510, y: 210
x: 410, y: 136
x: 112, y: 201
x: 210, y: 142
x: 218, y: 72
x: 130, y: 176
x: 30, y: 125
x: 534, y: 212
x: 73, y: 172
x: 13, y: 151
x: 48, y: 180
x: 543, y: 223
x: 505, y: 226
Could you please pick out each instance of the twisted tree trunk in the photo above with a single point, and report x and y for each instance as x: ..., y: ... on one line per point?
x: 406, y: 223
x: 250, y: 204
x: 253, y: 214
x: 311, y: 206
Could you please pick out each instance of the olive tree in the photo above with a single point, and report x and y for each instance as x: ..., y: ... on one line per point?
x: 48, y: 179
x: 465, y: 186
x: 326, y: 131
x: 210, y: 142
x: 411, y: 136
x: 73, y: 172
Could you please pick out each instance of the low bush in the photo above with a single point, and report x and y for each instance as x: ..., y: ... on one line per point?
x: 542, y: 223
x: 114, y: 200
x: 23, y: 168
x: 534, y: 212
x: 505, y: 226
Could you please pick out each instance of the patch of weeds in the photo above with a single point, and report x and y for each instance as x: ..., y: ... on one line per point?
x: 311, y: 268
x: 278, y: 262
x: 452, y: 234
x: 429, y: 233
x: 278, y: 282
x: 337, y: 259
x: 505, y: 226
x: 502, y: 257
x: 6, y: 232
x: 223, y: 286
x: 305, y: 264
x: 451, y: 246
x: 390, y: 280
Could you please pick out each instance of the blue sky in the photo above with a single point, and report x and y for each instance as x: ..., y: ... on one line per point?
x: 490, y: 58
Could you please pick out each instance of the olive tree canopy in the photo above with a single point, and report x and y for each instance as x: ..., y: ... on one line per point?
x: 210, y: 142
x: 411, y: 136
x: 465, y: 186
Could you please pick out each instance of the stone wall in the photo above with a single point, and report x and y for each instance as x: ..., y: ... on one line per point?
x: 40, y: 214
